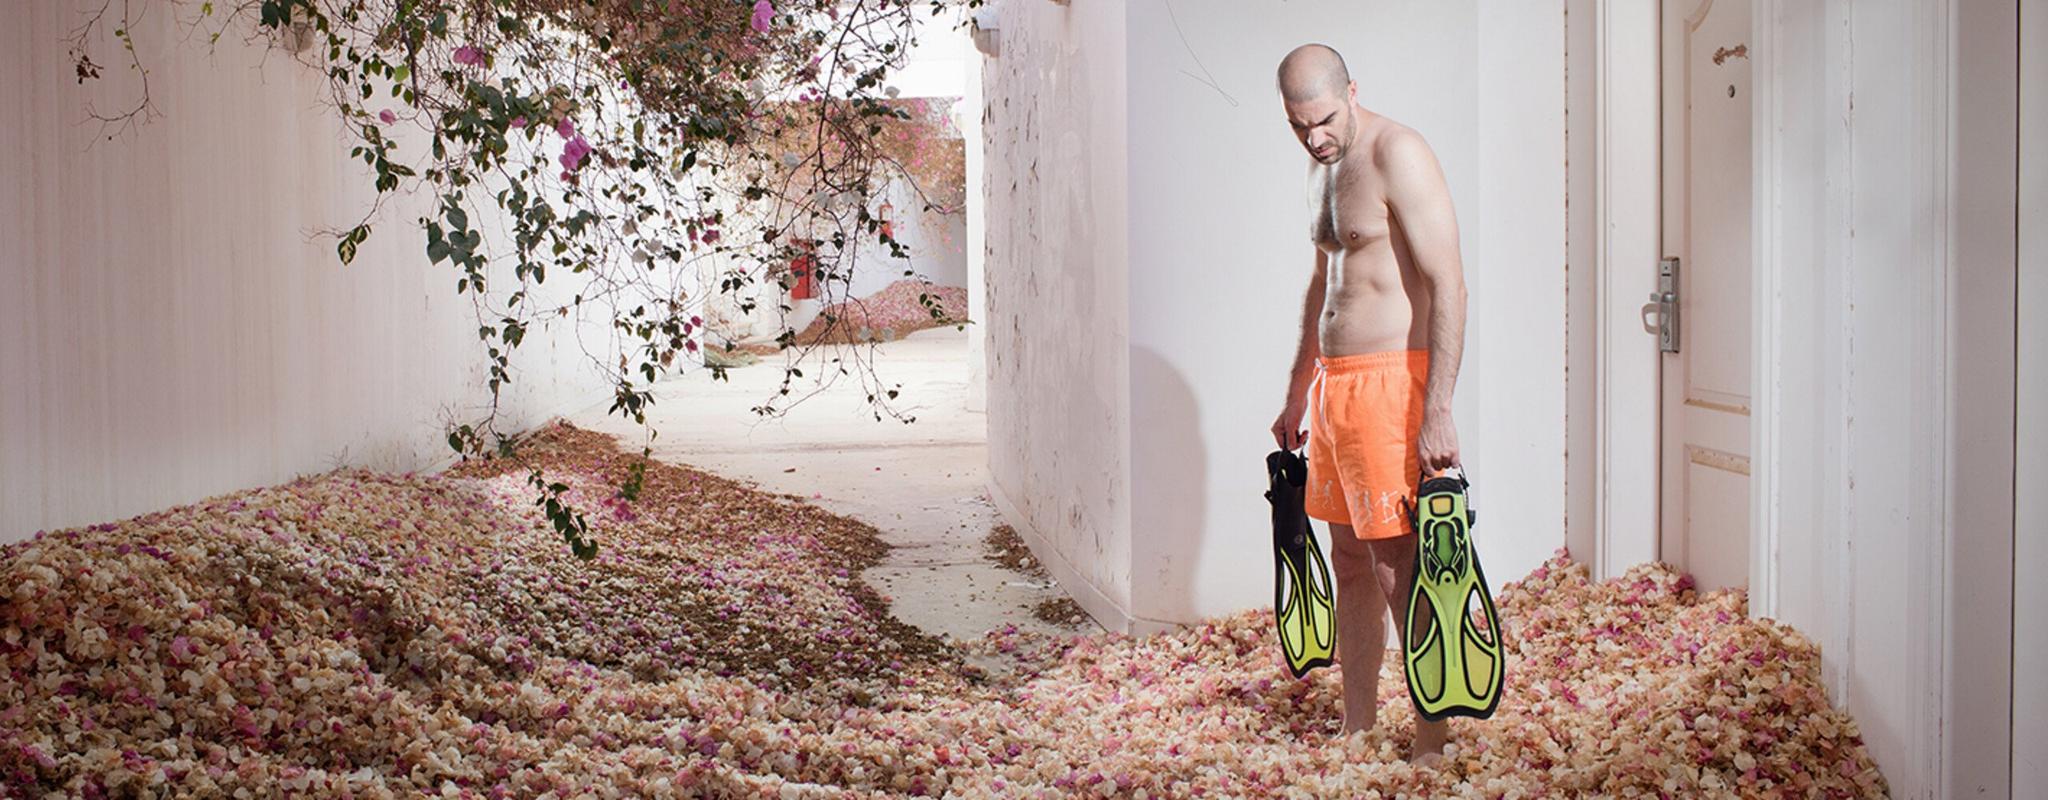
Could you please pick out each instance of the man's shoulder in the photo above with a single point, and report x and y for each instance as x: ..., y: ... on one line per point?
x: 1398, y: 144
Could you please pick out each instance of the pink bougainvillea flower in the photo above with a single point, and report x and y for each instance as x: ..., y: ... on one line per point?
x: 574, y: 153
x: 764, y: 12
x: 387, y: 116
x: 518, y: 122
x: 711, y: 236
x: 468, y: 55
x: 566, y: 127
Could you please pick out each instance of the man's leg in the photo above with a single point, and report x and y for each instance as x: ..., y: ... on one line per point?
x: 1361, y: 627
x: 1394, y: 567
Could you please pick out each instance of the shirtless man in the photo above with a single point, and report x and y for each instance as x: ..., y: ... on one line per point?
x: 1382, y: 330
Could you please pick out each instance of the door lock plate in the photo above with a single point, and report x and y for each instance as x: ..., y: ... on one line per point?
x: 1665, y: 299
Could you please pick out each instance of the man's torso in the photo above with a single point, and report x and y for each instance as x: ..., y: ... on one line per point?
x: 1374, y: 299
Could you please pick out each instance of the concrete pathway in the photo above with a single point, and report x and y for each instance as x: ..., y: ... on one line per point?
x: 921, y: 484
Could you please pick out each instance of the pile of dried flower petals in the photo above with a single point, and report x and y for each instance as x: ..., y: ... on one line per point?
x: 887, y: 314
x: 358, y: 634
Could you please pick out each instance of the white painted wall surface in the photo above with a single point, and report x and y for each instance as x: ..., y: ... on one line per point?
x: 1581, y: 319
x: 936, y: 70
x: 1626, y: 246
x: 169, y: 330
x: 2030, y: 517
x: 1057, y: 293
x: 1977, y: 624
x: 1895, y: 232
x: 940, y: 59
x: 1811, y: 70
x: 968, y: 115
x: 936, y: 245
x: 1896, y: 350
x: 1220, y: 261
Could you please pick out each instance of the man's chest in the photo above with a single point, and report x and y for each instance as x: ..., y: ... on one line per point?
x: 1347, y: 208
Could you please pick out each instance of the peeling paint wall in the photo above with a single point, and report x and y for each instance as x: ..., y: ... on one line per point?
x: 1057, y: 292
x: 169, y: 327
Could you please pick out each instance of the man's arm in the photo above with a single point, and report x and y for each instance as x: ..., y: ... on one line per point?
x: 1311, y: 346
x: 1287, y: 430
x: 1420, y: 202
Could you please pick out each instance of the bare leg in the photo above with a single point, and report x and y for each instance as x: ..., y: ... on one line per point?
x: 1394, y: 565
x: 1361, y: 627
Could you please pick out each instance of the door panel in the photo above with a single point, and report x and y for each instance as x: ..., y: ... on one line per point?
x: 1705, y: 402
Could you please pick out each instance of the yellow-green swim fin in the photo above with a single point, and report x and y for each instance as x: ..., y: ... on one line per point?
x: 1302, y: 605
x: 1454, y: 657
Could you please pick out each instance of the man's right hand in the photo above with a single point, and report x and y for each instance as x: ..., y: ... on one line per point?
x: 1287, y: 430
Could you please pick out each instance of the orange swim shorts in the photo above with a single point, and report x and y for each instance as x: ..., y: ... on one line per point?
x: 1365, y: 412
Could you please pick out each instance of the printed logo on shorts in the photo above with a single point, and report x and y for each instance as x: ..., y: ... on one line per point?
x: 1389, y: 506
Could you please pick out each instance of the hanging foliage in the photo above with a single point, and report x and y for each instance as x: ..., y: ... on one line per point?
x: 633, y: 143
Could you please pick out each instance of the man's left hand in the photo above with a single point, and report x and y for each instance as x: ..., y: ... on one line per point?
x: 1437, y: 443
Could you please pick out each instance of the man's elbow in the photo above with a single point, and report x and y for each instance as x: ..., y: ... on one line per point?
x: 1447, y: 290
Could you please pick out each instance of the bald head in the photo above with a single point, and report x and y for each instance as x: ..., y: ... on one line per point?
x: 1312, y: 72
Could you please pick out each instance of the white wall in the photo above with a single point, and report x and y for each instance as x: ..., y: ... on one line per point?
x: 937, y: 70
x: 937, y: 246
x: 1581, y: 321
x: 1977, y: 623
x: 969, y: 115
x: 1896, y: 226
x: 168, y: 328
x: 2030, y: 518
x: 1057, y: 317
x: 1220, y: 261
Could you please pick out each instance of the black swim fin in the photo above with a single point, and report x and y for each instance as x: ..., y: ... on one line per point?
x: 1303, y: 611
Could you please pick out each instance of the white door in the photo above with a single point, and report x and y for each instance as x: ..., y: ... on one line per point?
x: 1705, y: 403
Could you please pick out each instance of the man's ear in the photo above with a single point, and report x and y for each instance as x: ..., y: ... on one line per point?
x: 1352, y: 88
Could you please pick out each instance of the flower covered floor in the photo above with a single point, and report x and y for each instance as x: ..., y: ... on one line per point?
x: 369, y: 635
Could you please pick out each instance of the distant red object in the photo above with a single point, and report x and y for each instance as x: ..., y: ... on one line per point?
x: 805, y: 269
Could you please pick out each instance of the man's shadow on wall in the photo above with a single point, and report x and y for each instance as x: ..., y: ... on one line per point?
x: 1169, y: 490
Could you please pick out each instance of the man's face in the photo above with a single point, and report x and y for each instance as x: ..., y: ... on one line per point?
x: 1323, y: 125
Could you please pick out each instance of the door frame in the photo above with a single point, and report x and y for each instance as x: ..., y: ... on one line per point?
x: 1767, y: 317
x: 1627, y: 214
x: 1627, y: 211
